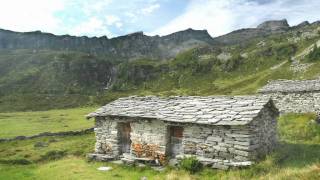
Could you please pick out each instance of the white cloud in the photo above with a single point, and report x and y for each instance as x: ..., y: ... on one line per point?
x: 119, y: 24
x: 92, y: 27
x: 132, y: 17
x: 150, y: 9
x: 30, y: 15
x: 100, y: 5
x: 222, y: 16
x: 34, y: 15
x: 112, y: 19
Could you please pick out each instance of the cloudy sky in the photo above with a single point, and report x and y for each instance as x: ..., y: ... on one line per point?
x: 118, y: 17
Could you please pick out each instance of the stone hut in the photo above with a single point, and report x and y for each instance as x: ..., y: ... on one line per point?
x: 220, y: 131
x: 297, y: 96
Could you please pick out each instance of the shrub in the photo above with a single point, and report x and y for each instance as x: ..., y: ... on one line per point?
x: 314, y: 55
x: 190, y: 164
x: 16, y: 161
x: 53, y: 155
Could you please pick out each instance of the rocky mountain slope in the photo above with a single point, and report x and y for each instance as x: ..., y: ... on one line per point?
x: 38, y: 70
x: 135, y: 45
x: 131, y: 46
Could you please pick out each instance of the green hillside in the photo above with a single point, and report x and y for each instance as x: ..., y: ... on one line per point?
x: 47, y: 79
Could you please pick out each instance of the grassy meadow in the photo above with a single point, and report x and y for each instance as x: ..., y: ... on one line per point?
x: 297, y: 157
x: 30, y: 123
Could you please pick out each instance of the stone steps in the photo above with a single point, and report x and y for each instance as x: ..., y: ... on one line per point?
x: 129, y: 159
x: 100, y: 157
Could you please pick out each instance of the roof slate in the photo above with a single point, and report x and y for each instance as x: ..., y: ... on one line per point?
x: 213, y: 110
x: 291, y: 86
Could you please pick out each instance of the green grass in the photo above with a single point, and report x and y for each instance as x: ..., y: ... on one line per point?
x: 297, y: 157
x: 299, y: 128
x: 31, y: 123
x: 27, y: 149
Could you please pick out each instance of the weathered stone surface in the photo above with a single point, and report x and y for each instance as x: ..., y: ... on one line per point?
x: 233, y: 143
x: 274, y: 25
x: 293, y: 95
x: 219, y: 110
x: 99, y: 157
x: 291, y: 86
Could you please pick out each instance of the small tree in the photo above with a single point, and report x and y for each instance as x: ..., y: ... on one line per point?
x: 314, y: 54
x: 191, y: 164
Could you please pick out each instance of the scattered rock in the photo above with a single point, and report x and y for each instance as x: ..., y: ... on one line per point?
x: 40, y: 144
x: 117, y: 162
x: 158, y: 168
x: 173, y: 162
x: 104, y: 168
x: 224, y: 56
x: 143, y: 178
x: 141, y: 165
x: 53, y: 140
x: 318, y: 119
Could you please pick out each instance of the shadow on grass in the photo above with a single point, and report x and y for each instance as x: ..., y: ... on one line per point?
x: 297, y: 155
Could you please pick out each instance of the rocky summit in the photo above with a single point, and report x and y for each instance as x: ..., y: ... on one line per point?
x: 275, y: 25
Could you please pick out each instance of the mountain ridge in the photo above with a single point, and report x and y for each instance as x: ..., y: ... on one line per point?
x: 135, y: 45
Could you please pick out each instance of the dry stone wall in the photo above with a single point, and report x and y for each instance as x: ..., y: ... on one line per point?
x: 219, y: 142
x: 220, y: 131
x: 299, y: 102
x: 217, y: 146
x: 106, y: 136
x: 48, y: 134
x: 297, y: 96
x: 265, y: 137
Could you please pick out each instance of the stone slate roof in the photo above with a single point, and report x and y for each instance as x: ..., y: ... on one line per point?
x: 213, y: 110
x: 291, y: 86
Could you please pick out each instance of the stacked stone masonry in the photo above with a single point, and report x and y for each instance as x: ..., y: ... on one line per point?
x: 293, y: 96
x: 220, y: 131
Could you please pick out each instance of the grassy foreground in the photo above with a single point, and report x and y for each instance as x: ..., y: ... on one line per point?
x: 31, y: 123
x: 297, y: 157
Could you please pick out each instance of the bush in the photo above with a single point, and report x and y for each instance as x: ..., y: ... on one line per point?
x: 16, y: 161
x: 314, y: 55
x: 190, y: 164
x: 53, y: 155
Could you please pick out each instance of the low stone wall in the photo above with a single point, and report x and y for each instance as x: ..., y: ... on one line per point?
x: 302, y: 102
x: 44, y: 134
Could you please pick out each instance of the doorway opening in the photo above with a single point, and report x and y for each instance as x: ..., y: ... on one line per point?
x: 175, y: 141
x: 124, y: 130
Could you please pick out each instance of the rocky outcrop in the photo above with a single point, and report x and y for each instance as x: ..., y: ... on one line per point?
x: 245, y: 35
x: 281, y: 25
x: 302, y: 24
